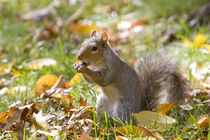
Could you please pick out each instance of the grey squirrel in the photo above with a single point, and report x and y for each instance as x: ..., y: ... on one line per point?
x: 155, y: 80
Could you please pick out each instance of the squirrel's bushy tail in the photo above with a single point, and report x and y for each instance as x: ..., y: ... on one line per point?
x: 161, y: 81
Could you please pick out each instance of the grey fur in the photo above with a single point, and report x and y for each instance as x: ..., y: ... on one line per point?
x: 125, y: 90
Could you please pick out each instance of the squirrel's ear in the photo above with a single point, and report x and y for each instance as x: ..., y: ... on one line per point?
x: 93, y: 33
x: 104, y: 37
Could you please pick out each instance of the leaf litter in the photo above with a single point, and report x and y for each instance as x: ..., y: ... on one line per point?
x: 55, y: 93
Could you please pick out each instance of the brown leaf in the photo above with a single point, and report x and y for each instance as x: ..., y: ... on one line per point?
x: 139, y: 22
x: 10, y: 119
x: 68, y: 108
x: 86, y: 132
x: 82, y: 112
x: 82, y: 102
x: 203, y: 122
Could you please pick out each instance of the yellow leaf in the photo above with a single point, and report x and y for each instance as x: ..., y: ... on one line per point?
x: 207, y: 46
x: 76, y: 79
x: 45, y: 83
x: 82, y: 29
x: 149, y: 118
x: 164, y: 108
x: 199, y: 40
x: 138, y: 131
x: 188, y: 43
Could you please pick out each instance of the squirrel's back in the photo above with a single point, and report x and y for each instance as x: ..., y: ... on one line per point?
x: 161, y: 80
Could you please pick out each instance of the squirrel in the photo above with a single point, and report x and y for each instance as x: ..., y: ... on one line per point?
x: 125, y: 90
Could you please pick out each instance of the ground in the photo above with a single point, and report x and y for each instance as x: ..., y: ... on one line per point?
x: 53, y: 31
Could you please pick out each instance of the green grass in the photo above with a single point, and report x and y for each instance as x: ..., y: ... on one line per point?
x: 16, y: 44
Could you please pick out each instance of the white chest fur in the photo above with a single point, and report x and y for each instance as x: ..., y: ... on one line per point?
x: 109, y: 99
x: 111, y: 92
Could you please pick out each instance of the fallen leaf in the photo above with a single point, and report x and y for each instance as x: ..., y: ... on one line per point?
x: 82, y: 102
x: 16, y: 116
x: 121, y: 138
x: 139, y: 22
x: 40, y: 63
x: 85, y: 112
x: 199, y: 40
x: 164, y: 108
x: 75, y: 80
x: 86, y: 132
x: 42, y: 120
x: 149, y: 118
x: 60, y: 83
x: 186, y: 107
x: 44, y: 83
x: 82, y: 29
x: 138, y: 131
x: 41, y: 14
x: 203, y: 122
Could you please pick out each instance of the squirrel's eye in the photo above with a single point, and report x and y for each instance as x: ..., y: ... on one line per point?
x: 94, y: 48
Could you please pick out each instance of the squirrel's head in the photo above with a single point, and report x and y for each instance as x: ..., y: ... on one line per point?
x: 93, y: 50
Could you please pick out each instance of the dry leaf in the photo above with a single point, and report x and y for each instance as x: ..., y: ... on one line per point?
x: 164, y: 108
x: 40, y: 63
x: 86, y: 132
x: 75, y: 80
x: 203, y: 122
x: 41, y: 14
x: 82, y: 29
x: 186, y: 107
x: 139, y: 22
x: 149, y: 118
x: 82, y: 102
x: 16, y: 116
x: 44, y: 83
x: 42, y: 120
x: 60, y: 83
x: 139, y: 131
x: 121, y: 138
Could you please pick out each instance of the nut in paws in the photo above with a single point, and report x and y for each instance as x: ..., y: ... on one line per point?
x: 80, y: 67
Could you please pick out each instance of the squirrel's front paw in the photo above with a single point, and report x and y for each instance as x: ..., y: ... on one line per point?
x: 80, y: 67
